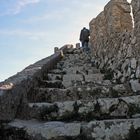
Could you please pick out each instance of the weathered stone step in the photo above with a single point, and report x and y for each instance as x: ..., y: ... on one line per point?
x: 52, y: 77
x: 76, y: 60
x: 88, y: 92
x: 50, y: 95
x: 57, y: 71
x: 85, y: 69
x: 80, y: 79
x: 34, y: 130
x: 103, y: 108
x: 51, y: 84
x: 60, y: 65
x: 120, y: 129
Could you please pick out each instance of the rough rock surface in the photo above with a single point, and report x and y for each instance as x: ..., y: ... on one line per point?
x: 106, y: 108
x: 115, y: 19
x: 113, y: 130
x: 136, y: 15
x: 48, y: 130
x: 13, y: 91
x: 115, y: 43
x: 73, y: 95
x: 64, y: 106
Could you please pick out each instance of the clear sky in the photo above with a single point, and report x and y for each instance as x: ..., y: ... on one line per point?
x: 30, y: 29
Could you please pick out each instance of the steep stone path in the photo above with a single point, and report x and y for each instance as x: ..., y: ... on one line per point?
x: 75, y: 101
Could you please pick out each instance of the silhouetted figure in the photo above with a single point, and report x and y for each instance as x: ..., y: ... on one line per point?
x: 84, y: 38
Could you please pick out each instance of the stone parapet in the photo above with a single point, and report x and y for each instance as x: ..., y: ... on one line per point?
x: 13, y: 91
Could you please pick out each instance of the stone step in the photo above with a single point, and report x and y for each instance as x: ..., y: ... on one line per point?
x: 102, y: 108
x: 51, y: 84
x: 34, y: 130
x: 60, y: 65
x: 57, y: 71
x: 50, y: 95
x: 52, y: 77
x: 120, y: 129
x: 88, y: 92
x: 70, y: 80
x: 83, y: 69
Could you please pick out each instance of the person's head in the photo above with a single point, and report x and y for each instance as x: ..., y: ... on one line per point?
x: 84, y: 27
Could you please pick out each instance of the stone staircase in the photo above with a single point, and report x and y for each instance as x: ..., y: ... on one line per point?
x: 73, y: 101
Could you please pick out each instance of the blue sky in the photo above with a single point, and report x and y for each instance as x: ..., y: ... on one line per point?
x: 30, y: 29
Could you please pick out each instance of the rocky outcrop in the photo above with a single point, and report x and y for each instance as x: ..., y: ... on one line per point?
x: 136, y: 15
x: 115, y: 45
x: 111, y: 34
x: 136, y: 8
x: 115, y: 19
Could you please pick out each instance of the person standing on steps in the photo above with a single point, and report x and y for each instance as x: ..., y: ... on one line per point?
x: 84, y: 38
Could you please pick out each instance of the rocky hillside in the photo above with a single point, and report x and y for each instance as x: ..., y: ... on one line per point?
x: 74, y: 95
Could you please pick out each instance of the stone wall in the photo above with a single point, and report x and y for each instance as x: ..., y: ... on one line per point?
x: 114, y: 43
x: 108, y: 25
x: 13, y: 91
x: 111, y: 34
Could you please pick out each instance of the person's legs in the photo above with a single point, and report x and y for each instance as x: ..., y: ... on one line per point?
x: 83, y: 43
x: 86, y: 47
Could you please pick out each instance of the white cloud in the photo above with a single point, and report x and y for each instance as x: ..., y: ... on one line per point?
x: 18, y: 6
x: 21, y: 4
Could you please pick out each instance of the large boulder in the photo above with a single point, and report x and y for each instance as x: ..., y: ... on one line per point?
x: 111, y: 41
x: 113, y: 20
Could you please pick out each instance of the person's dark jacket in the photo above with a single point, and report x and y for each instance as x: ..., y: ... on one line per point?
x: 84, y: 35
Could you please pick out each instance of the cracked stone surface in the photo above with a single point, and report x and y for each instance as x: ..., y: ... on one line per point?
x: 73, y: 95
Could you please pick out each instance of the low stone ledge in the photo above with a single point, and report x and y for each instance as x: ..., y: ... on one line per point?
x: 48, y: 130
x: 13, y: 91
x: 103, y: 108
x: 120, y: 129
